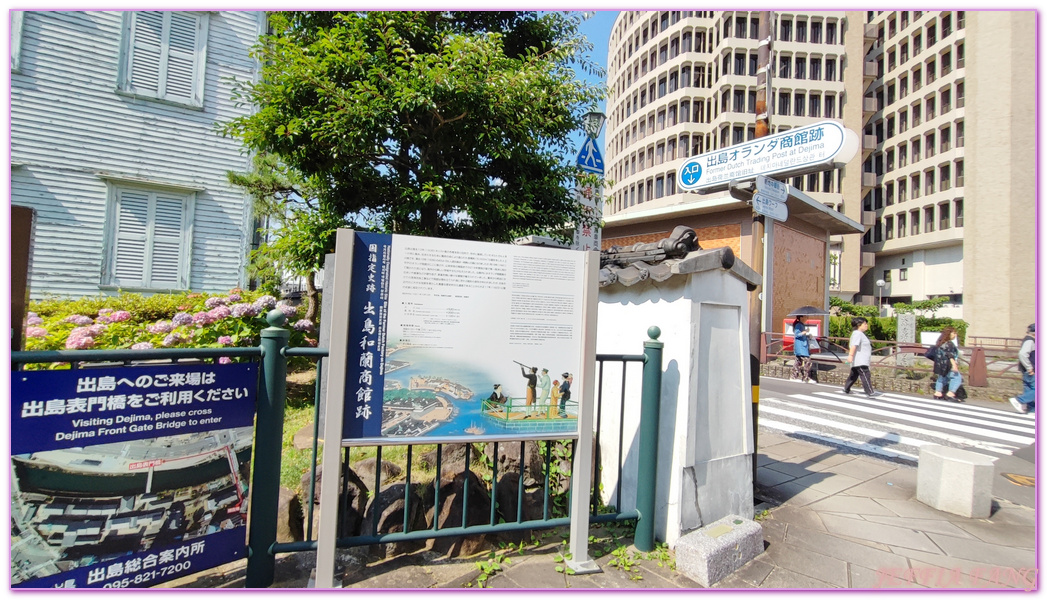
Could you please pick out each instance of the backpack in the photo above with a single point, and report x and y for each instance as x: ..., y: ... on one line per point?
x: 931, y: 353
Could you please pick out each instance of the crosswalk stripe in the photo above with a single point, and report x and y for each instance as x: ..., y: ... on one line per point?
x: 870, y: 448
x: 886, y: 435
x: 872, y: 407
x: 945, y: 407
x: 955, y: 412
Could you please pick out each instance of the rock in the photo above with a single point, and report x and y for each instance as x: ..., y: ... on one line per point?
x: 366, y: 470
x: 353, y: 515
x: 389, y: 505
x: 289, y: 517
x: 508, y: 462
x: 507, y: 494
x: 452, y: 457
x: 449, y: 513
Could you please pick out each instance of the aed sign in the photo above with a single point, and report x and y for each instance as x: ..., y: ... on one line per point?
x: 794, y: 152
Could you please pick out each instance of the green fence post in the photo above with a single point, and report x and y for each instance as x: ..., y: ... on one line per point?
x: 650, y: 406
x: 268, y: 447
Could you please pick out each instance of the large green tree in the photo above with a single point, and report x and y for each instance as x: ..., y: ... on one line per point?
x: 447, y: 124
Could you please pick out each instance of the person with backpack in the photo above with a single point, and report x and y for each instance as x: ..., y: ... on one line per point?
x: 801, y: 350
x: 1026, y: 401
x: 859, y: 356
x: 946, y: 365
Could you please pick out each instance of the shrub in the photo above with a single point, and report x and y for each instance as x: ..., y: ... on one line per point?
x: 131, y: 321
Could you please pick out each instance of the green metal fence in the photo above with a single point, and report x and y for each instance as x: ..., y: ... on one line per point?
x: 265, y: 479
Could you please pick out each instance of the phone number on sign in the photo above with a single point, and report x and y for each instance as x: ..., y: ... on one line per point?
x: 148, y: 576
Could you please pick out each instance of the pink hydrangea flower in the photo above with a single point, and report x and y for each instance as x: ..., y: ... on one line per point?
x: 172, y: 339
x: 182, y: 318
x: 234, y: 297
x: 119, y: 316
x: 35, y: 332
x: 34, y: 320
x: 213, y: 302
x: 225, y: 340
x: 32, y: 314
x: 303, y: 325
x: 142, y: 346
x: 224, y: 360
x: 79, y: 342
x: 219, y: 312
x: 203, y: 318
x: 264, y: 303
x: 160, y: 327
x: 78, y: 320
x: 88, y: 331
x: 289, y: 311
x: 104, y: 311
x: 244, y: 310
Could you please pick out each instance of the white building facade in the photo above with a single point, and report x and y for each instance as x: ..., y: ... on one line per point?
x: 114, y: 144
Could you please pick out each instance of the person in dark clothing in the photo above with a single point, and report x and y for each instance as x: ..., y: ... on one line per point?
x: 1026, y: 401
x: 946, y: 367
x: 565, y: 394
x: 532, y: 385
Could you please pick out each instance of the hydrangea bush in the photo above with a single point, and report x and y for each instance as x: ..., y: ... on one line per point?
x: 188, y: 320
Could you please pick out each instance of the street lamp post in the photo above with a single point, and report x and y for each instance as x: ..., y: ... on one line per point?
x: 879, y: 296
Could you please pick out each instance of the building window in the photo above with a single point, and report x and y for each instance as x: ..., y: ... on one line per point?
x: 739, y: 27
x: 903, y: 274
x: 17, y: 24
x: 754, y: 64
x: 816, y: 32
x: 786, y: 32
x: 801, y: 31
x: 958, y: 212
x: 798, y: 104
x: 816, y: 68
x: 783, y: 67
x: 148, y: 245
x: 901, y: 225
x: 163, y: 55
x: 944, y: 176
x: 830, y: 107
x: 830, y: 69
x: 888, y: 228
x: 815, y: 102
x: 801, y: 68
x: 943, y: 216
x: 887, y: 275
x: 754, y: 29
x: 928, y: 219
x: 783, y: 103
x: 830, y: 33
x: 914, y: 217
x: 752, y: 102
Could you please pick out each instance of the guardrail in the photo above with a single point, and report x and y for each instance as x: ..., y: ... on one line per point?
x: 979, y: 364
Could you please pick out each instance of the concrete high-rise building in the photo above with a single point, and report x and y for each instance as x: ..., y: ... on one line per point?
x: 685, y: 82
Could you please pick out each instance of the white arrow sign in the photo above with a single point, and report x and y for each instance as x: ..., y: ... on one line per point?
x: 776, y: 190
x: 769, y: 207
x: 794, y: 152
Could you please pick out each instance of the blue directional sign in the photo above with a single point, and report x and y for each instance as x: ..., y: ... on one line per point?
x: 589, y: 158
x: 690, y: 174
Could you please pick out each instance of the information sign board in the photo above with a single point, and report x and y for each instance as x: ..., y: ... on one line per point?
x: 451, y: 339
x: 772, y: 188
x: 769, y: 207
x: 800, y: 150
x: 131, y: 476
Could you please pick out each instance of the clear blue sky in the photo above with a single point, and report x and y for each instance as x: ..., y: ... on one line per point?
x: 598, y: 30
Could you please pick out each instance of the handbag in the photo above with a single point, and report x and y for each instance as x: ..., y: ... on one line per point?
x: 931, y: 352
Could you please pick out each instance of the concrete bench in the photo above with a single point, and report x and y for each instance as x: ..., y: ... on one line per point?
x: 955, y: 481
x: 713, y: 552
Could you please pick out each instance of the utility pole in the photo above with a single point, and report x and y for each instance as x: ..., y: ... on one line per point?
x: 763, y: 128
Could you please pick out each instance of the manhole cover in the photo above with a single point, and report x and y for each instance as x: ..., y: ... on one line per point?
x: 1022, y: 480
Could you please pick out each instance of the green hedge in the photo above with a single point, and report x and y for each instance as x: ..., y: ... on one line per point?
x: 886, y: 328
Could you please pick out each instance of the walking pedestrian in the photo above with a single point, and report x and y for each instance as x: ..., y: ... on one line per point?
x: 946, y: 365
x: 859, y: 356
x: 1026, y: 401
x: 801, y: 351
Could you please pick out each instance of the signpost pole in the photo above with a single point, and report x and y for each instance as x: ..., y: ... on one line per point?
x: 763, y: 128
x: 268, y: 446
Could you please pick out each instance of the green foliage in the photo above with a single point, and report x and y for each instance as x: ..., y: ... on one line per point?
x: 937, y: 324
x: 489, y: 567
x: 446, y: 124
x: 854, y: 310
x: 920, y: 307
x: 886, y: 328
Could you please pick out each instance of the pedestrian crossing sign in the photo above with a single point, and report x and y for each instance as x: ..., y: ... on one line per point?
x: 589, y: 158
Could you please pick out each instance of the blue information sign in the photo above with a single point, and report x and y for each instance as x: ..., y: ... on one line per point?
x: 129, y: 476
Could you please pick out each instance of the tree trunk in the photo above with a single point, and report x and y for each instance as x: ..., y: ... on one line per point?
x: 312, y: 309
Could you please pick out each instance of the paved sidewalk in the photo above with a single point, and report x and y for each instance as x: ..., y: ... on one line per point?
x: 834, y: 520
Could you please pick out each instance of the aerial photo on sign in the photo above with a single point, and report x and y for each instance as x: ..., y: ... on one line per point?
x: 796, y: 151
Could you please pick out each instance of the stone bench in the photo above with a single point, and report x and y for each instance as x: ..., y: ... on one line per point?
x: 955, y: 481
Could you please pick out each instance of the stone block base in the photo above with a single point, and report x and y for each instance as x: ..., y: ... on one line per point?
x: 955, y: 481
x: 713, y: 552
